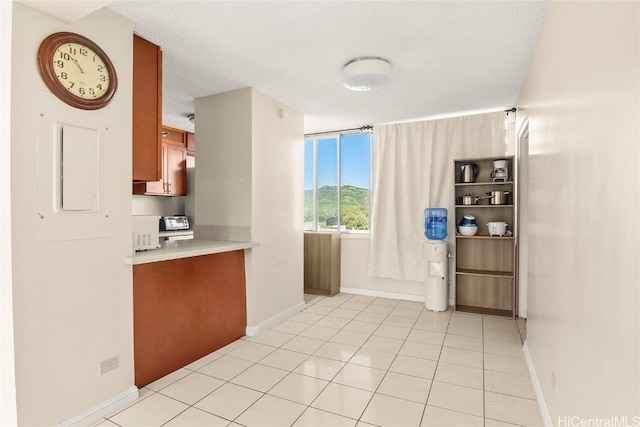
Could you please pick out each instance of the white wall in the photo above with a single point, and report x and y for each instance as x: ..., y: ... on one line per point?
x: 581, y: 99
x: 72, y: 298
x: 277, y: 206
x: 158, y: 205
x: 248, y: 182
x: 8, y: 416
x: 223, y: 176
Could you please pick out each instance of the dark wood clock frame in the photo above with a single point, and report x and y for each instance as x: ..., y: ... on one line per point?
x: 45, y: 65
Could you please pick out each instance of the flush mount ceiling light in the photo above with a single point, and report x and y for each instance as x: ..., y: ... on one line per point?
x: 366, y: 73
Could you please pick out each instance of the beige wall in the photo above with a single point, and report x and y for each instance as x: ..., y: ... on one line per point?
x: 8, y: 414
x: 581, y: 101
x: 72, y: 298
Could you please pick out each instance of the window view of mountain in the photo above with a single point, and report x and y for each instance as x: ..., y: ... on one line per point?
x: 354, y: 207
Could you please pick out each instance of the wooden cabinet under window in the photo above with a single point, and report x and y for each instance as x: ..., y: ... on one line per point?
x: 322, y: 263
x: 485, y: 265
x: 147, y: 111
x: 173, y: 180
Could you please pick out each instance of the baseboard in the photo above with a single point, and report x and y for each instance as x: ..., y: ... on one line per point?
x: 273, y: 320
x: 382, y: 294
x: 104, y: 409
x: 537, y: 389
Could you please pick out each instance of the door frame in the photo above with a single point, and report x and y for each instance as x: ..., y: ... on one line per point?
x: 522, y: 154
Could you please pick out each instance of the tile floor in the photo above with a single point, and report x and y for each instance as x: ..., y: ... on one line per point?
x: 352, y: 360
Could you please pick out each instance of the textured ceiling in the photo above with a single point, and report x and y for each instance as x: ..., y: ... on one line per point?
x: 446, y: 57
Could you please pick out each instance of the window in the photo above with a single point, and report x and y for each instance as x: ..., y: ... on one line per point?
x: 337, y: 182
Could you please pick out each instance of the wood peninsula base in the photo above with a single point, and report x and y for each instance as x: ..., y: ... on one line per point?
x: 184, y: 309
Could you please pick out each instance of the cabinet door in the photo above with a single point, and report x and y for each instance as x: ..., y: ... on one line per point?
x: 159, y: 187
x: 147, y: 111
x: 176, y: 164
x: 191, y: 143
x: 322, y: 263
x: 173, y: 137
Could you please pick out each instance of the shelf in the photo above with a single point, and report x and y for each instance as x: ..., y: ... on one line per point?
x: 485, y: 266
x: 481, y: 310
x: 460, y: 236
x: 485, y: 273
x: 478, y: 184
x: 484, y: 206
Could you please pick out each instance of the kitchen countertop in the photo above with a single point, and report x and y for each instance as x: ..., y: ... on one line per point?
x: 185, y: 249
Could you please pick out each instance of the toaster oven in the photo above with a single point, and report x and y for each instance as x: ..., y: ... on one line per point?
x: 173, y: 223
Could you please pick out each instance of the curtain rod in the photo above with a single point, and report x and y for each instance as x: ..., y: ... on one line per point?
x: 363, y: 129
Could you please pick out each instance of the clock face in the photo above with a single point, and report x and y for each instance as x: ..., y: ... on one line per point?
x: 81, y: 71
x: 77, y: 70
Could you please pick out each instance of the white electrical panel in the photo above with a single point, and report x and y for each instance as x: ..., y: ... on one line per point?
x: 79, y: 162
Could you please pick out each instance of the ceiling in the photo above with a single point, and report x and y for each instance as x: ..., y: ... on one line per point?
x: 447, y: 57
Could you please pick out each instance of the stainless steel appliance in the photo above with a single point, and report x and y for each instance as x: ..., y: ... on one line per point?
x: 173, y: 223
x: 469, y: 172
x: 175, y: 228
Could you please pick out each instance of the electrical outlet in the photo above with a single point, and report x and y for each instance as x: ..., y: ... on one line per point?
x: 554, y: 380
x: 109, y: 365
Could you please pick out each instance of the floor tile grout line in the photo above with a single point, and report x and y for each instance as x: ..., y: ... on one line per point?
x: 362, y: 346
x: 424, y: 410
x: 387, y: 370
x: 266, y: 393
x: 369, y: 335
x: 336, y: 374
x: 484, y: 403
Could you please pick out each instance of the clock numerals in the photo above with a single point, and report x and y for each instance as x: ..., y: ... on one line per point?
x: 77, y: 59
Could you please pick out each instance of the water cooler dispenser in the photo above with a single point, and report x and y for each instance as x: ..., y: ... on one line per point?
x: 436, y: 295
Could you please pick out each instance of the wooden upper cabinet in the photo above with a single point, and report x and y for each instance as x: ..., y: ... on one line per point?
x: 173, y: 177
x: 191, y: 143
x: 147, y: 111
x: 174, y: 137
x: 176, y: 164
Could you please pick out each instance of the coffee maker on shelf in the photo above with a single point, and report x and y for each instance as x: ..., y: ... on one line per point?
x: 500, y: 172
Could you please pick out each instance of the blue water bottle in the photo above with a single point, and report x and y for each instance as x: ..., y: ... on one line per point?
x: 435, y: 223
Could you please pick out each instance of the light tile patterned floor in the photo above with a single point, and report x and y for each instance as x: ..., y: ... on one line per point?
x: 352, y: 360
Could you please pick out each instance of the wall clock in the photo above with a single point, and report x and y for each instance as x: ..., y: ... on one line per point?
x: 77, y: 70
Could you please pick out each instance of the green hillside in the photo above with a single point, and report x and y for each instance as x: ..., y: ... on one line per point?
x: 354, y: 206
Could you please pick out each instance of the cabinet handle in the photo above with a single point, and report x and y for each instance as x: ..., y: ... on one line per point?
x: 169, y: 187
x: 165, y: 133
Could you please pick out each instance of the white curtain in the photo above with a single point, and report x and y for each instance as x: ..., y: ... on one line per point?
x: 413, y: 170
